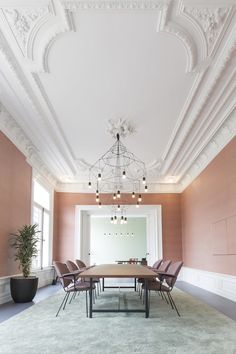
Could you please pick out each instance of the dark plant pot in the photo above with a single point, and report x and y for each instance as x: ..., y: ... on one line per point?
x: 23, y: 289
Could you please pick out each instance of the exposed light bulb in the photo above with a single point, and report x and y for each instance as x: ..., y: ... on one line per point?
x: 144, y: 180
x: 100, y: 205
x: 137, y: 205
x: 118, y: 207
x: 114, y: 196
x: 146, y: 188
x: 99, y: 177
x: 118, y: 194
x: 123, y: 175
x: 115, y: 220
x: 97, y: 199
x: 139, y: 198
x: 97, y: 193
x: 125, y: 220
x: 133, y: 195
x: 112, y: 220
x: 89, y: 185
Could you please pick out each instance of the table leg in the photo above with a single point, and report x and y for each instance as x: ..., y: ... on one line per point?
x: 135, y: 284
x: 146, y: 299
x: 102, y: 284
x: 91, y: 298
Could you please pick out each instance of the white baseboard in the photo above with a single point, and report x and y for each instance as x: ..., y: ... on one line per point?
x: 220, y: 284
x: 45, y: 278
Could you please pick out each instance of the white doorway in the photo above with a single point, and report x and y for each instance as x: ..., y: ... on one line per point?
x: 83, y: 214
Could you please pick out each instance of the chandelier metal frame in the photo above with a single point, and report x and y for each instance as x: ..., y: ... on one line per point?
x: 119, y: 172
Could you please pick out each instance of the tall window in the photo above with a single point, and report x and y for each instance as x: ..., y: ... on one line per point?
x: 42, y: 217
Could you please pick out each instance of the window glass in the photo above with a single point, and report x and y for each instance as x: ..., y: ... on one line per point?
x: 41, y: 195
x: 41, y: 216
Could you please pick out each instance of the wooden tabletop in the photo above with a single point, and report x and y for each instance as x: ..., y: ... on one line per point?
x: 118, y: 271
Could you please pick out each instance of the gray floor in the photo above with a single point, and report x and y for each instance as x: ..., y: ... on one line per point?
x: 220, y: 303
x: 10, y: 309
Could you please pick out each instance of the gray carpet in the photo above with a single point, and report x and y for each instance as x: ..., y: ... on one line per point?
x: 200, y: 329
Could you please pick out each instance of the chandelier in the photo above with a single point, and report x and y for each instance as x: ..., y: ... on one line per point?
x: 121, y: 174
x: 118, y: 215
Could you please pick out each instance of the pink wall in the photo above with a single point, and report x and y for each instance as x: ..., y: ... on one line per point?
x: 207, y: 207
x: 209, y: 216
x: 15, y: 200
x: 64, y: 222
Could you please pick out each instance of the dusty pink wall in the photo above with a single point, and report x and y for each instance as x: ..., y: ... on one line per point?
x: 64, y: 222
x: 209, y: 216
x: 15, y: 200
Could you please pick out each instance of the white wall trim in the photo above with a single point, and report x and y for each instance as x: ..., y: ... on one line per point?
x: 218, y: 283
x: 45, y: 278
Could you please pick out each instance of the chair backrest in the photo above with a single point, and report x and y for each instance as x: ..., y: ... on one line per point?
x: 164, y: 266
x: 61, y: 269
x: 80, y: 263
x: 157, y: 264
x: 174, y: 269
x: 72, y: 266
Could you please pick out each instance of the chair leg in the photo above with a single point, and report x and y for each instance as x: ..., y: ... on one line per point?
x: 170, y: 301
x: 174, y: 305
x: 72, y: 297
x: 86, y: 303
x: 66, y: 301
x: 165, y: 297
x: 66, y: 295
x: 94, y: 296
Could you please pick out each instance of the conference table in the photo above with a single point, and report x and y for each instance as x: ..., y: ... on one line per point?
x: 118, y: 271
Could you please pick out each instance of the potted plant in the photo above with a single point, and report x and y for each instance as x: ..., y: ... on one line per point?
x: 23, y: 288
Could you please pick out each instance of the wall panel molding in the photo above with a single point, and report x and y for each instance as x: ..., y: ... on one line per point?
x: 217, y: 283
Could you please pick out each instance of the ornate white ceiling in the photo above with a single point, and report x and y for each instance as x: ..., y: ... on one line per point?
x: 67, y: 67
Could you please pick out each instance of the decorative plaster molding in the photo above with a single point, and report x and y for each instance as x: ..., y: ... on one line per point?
x: 115, y: 5
x: 187, y: 41
x: 211, y: 20
x: 152, y: 188
x: 121, y: 126
x: 13, y: 131
x: 217, y: 143
x: 211, y: 84
x: 218, y: 283
x: 22, y: 20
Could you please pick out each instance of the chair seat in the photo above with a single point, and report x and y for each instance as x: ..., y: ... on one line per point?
x: 156, y: 285
x: 78, y: 286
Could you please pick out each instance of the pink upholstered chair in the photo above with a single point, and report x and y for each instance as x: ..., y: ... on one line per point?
x: 81, y: 265
x: 70, y: 284
x: 166, y: 282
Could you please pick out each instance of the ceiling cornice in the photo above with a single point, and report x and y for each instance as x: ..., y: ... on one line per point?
x: 13, y: 131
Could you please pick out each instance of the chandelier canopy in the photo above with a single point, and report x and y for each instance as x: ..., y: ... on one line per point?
x: 118, y: 172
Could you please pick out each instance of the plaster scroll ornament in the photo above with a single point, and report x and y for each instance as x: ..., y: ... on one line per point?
x: 121, y: 126
x: 22, y: 20
x: 211, y: 20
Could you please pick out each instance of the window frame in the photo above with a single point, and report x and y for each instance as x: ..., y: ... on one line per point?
x: 49, y: 188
